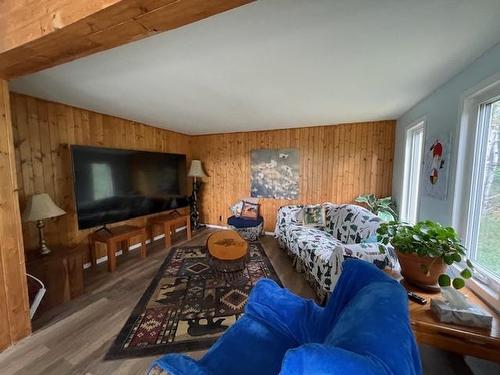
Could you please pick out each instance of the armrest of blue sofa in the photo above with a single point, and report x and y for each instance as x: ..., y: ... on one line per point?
x: 176, y: 364
x: 282, y: 310
x: 325, y: 359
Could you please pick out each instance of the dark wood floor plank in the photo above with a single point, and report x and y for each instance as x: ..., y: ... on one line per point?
x: 73, y: 338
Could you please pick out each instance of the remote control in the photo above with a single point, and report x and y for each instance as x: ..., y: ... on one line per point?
x: 416, y: 298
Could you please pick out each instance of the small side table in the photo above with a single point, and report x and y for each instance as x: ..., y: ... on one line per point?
x: 478, y: 342
x: 227, y: 251
x: 61, y: 271
x: 167, y: 223
x: 112, y: 238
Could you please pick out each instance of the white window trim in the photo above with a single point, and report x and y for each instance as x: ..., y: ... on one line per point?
x: 483, y: 283
x: 420, y: 123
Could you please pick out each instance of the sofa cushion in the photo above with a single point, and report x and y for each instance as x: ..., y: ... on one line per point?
x: 315, y: 248
x: 316, y: 245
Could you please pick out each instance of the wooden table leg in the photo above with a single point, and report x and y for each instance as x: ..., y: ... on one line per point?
x: 111, y: 246
x: 143, y: 245
x: 168, y: 235
x: 188, y: 228
x: 150, y: 232
x: 93, y: 256
x: 125, y: 245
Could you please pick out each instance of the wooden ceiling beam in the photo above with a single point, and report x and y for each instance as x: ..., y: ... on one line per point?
x: 38, y: 34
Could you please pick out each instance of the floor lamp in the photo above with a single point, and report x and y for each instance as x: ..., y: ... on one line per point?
x: 196, y: 171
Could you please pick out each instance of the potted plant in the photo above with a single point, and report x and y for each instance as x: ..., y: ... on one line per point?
x: 425, y: 250
x: 383, y: 207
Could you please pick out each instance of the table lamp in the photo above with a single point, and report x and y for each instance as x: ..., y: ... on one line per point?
x: 196, y: 171
x: 39, y: 208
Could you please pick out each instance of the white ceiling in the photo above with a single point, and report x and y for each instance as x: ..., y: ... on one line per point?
x: 277, y: 63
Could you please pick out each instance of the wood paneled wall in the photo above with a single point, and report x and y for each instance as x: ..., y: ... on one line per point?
x: 337, y: 163
x: 14, y: 307
x: 42, y: 131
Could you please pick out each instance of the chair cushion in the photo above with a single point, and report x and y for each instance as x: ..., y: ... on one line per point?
x: 241, y: 222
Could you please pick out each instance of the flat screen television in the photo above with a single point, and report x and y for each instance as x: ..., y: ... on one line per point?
x: 113, y: 185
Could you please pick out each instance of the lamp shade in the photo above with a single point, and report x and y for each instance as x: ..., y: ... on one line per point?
x: 196, y: 169
x: 41, y: 206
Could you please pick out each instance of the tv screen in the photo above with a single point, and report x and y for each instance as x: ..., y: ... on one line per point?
x: 114, y: 185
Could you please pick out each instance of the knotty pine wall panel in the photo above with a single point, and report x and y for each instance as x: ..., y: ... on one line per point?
x: 337, y: 163
x: 14, y: 307
x: 42, y: 131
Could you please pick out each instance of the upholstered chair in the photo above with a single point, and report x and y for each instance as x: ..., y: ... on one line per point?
x: 364, y: 329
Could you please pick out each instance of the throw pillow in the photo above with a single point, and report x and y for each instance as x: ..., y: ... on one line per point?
x: 250, y: 210
x: 236, y: 208
x: 314, y: 216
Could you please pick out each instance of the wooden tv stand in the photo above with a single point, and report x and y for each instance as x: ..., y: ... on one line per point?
x: 112, y: 237
x: 167, y: 223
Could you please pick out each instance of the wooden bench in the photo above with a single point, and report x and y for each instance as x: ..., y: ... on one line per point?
x: 168, y: 223
x: 112, y: 238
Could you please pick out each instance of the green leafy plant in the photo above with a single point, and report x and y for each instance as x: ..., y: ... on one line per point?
x: 384, y: 208
x: 428, y: 238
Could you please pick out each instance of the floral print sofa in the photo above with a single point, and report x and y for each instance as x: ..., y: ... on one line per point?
x: 350, y: 231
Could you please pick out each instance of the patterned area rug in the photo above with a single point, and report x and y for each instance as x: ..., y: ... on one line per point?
x: 188, y: 305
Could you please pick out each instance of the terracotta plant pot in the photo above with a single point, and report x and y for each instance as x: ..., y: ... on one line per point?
x: 412, y: 270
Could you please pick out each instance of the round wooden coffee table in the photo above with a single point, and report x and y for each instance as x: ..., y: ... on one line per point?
x: 227, y: 251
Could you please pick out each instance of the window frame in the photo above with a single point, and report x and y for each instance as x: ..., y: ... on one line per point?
x: 408, y: 174
x: 467, y: 200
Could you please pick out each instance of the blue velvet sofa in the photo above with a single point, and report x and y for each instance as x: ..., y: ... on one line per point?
x: 364, y: 329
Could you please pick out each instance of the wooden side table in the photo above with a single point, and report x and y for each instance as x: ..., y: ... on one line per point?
x: 61, y: 271
x: 168, y: 223
x: 477, y: 342
x: 112, y: 238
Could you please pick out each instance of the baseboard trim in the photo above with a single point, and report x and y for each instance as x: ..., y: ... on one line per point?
x: 226, y: 227
x: 216, y: 226
x: 133, y: 247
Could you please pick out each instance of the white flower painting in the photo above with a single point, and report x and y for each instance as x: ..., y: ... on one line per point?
x: 275, y: 173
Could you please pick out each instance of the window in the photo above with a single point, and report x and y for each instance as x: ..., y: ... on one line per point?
x: 483, y: 240
x: 476, y: 207
x: 413, y: 162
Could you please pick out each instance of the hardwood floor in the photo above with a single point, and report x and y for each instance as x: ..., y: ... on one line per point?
x: 74, y: 338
